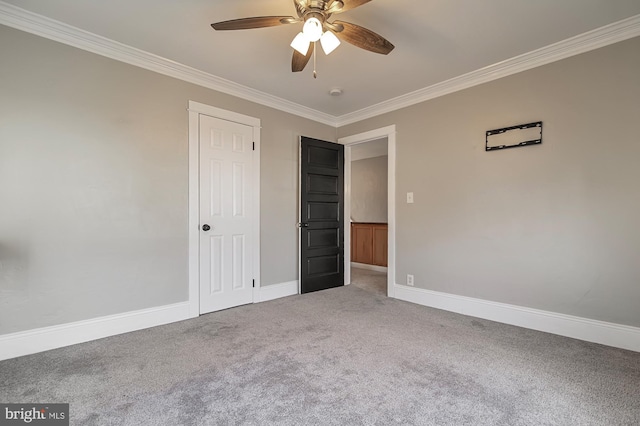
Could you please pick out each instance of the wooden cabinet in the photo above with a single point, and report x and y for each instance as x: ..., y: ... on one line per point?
x: 362, y: 243
x: 380, y: 244
x: 369, y: 243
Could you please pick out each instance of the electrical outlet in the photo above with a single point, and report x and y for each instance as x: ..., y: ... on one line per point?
x: 410, y: 280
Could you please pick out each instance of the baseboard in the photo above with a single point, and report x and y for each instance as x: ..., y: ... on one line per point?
x: 605, y: 333
x: 43, y: 339
x: 47, y: 338
x: 276, y: 291
x: 369, y: 267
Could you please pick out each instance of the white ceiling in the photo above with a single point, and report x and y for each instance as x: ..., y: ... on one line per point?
x: 436, y: 40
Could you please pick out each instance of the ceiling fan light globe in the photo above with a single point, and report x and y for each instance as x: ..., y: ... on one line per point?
x: 329, y: 42
x: 301, y: 43
x: 312, y: 29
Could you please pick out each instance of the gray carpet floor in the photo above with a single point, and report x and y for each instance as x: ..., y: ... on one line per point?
x: 344, y: 356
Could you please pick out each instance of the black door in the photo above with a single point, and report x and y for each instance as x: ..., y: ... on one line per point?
x: 322, y: 224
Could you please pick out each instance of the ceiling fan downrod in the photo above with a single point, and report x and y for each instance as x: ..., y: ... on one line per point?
x: 315, y: 74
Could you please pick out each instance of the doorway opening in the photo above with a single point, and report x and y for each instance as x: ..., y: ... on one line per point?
x: 369, y: 216
x: 365, y: 232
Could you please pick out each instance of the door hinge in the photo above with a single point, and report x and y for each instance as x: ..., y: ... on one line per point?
x: 254, y: 283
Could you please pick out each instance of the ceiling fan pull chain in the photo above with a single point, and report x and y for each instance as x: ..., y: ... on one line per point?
x: 315, y: 75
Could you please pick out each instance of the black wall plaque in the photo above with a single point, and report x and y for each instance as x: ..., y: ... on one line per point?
x: 514, y: 136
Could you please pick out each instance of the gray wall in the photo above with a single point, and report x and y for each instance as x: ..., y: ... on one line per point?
x: 369, y: 190
x: 93, y: 184
x: 554, y: 226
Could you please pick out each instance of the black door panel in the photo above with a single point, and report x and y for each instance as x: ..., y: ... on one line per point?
x: 322, y: 204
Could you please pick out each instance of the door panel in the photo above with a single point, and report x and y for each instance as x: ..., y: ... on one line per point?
x: 324, y: 265
x: 318, y: 238
x: 318, y: 184
x: 226, y: 176
x: 322, y: 211
x: 322, y: 224
x: 216, y: 244
x: 324, y: 157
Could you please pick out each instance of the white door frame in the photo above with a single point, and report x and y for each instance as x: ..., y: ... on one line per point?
x: 390, y: 133
x: 195, y: 110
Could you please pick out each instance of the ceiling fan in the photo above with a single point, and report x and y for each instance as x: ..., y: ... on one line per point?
x: 315, y: 14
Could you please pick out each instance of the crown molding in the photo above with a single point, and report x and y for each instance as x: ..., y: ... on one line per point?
x: 600, y: 37
x: 33, y: 23
x: 21, y: 19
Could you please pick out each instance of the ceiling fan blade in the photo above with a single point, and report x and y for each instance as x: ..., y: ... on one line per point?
x: 351, y: 4
x: 364, y: 38
x: 257, y: 22
x: 299, y: 61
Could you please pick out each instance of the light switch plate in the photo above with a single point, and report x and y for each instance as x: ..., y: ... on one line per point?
x: 409, y: 197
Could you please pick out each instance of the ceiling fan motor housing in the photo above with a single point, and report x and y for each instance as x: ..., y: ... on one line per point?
x: 314, y: 14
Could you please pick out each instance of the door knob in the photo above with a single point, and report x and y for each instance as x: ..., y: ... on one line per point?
x: 205, y: 227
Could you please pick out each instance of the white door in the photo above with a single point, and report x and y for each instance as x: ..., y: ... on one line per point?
x: 226, y: 225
